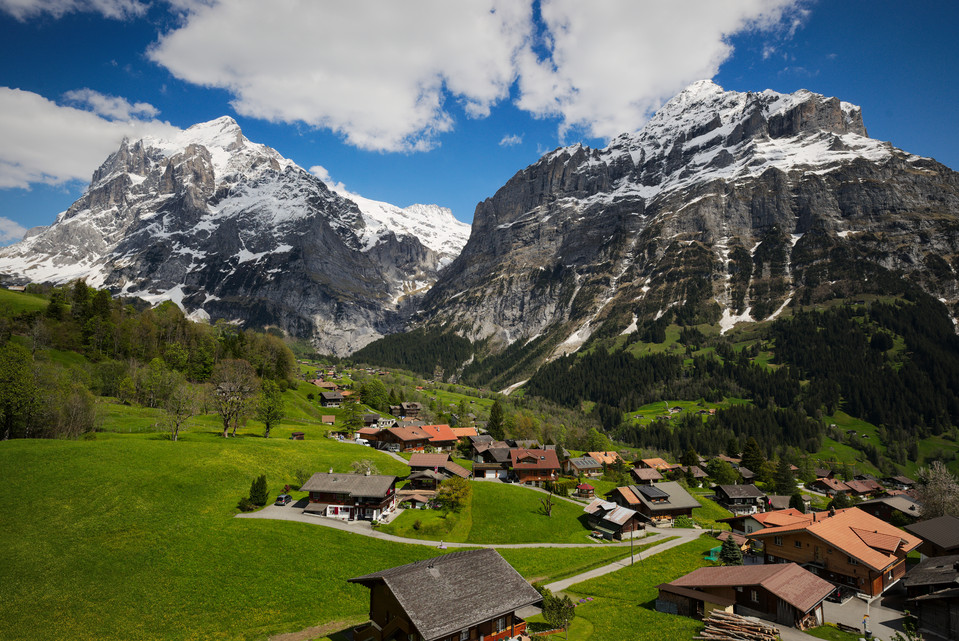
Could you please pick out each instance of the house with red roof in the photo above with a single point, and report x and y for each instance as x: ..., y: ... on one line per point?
x: 829, y: 487
x: 534, y: 467
x: 403, y: 439
x: 848, y: 547
x: 442, y: 437
x: 786, y: 593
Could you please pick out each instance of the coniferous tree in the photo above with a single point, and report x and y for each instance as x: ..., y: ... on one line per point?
x: 495, y: 426
x: 730, y: 554
x: 783, y: 481
x: 796, y: 502
x: 753, y: 458
x: 258, y: 490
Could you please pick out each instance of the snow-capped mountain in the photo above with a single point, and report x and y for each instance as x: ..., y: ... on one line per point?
x: 230, y: 229
x: 725, y: 207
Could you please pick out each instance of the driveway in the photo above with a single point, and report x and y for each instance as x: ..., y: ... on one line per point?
x: 883, y: 621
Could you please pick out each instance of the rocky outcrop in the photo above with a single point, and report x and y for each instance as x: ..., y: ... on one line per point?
x: 230, y: 229
x: 726, y: 207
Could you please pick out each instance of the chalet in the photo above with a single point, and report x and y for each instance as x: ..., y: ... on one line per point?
x: 740, y: 499
x: 899, y: 510
x: 613, y: 521
x: 605, y: 458
x: 331, y: 399
x: 848, y: 547
x: 328, y: 419
x: 776, y: 502
x: 786, y: 594
x: 829, y: 486
x: 410, y: 410
x: 351, y: 496
x: 864, y: 487
x: 425, y: 480
x: 403, y: 439
x: 660, y: 503
x: 325, y: 385
x: 657, y: 464
x: 369, y: 420
x: 492, y: 463
x: 940, y: 536
x: 899, y: 482
x: 386, y: 421
x: 442, y: 437
x: 464, y: 596
x: 697, y: 472
x: 824, y: 473
x: 534, y: 467
x: 748, y: 475
x: 749, y: 523
x: 645, y: 475
x: 528, y: 444
x: 439, y: 462
x: 463, y: 433
x: 732, y: 460
x: 932, y: 590
x: 583, y: 465
x: 371, y: 434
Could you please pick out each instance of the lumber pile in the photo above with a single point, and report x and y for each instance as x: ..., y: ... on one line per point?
x: 724, y: 626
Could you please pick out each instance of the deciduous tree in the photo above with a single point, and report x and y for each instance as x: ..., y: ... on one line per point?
x: 234, y: 385
x: 269, y: 407
x: 180, y: 407
x: 938, y: 491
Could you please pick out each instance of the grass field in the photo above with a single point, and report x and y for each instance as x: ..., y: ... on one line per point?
x: 498, y: 513
x: 622, y: 605
x: 132, y: 536
x: 12, y: 303
x: 707, y: 516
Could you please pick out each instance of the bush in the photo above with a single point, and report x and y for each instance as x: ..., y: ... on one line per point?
x: 246, y: 505
x: 258, y: 491
x: 417, y: 525
x: 683, y: 521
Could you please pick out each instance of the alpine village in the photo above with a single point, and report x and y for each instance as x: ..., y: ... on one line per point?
x: 681, y: 387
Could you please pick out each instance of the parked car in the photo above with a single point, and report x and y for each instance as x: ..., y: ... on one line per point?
x: 283, y: 499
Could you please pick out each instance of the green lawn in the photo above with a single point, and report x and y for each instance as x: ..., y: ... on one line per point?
x: 623, y: 603
x: 708, y: 515
x: 499, y: 513
x: 12, y: 303
x: 832, y: 633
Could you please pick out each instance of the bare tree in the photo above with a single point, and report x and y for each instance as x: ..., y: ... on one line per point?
x: 364, y: 466
x: 234, y: 385
x: 181, y: 407
x: 548, y: 504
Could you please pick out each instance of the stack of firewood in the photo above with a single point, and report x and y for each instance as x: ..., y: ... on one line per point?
x: 724, y: 626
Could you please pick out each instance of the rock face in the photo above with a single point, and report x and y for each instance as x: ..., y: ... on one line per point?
x: 230, y: 229
x: 725, y: 207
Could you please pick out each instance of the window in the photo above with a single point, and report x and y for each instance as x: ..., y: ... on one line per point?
x: 464, y: 635
x: 852, y: 561
x: 754, y: 596
x: 500, y: 624
x: 797, y: 543
x: 777, y: 540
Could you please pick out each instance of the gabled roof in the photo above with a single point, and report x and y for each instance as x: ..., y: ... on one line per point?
x: 646, y: 474
x: 465, y: 432
x: 449, y: 593
x: 779, y: 518
x: 833, y: 484
x: 609, y: 511
x: 524, y: 459
x: 799, y: 588
x: 942, y: 531
x: 856, y: 533
x: 677, y: 498
x: 377, y: 485
x: 902, y: 502
x: 585, y: 463
x: 863, y: 487
x: 609, y: 458
x: 439, y: 433
x: 934, y: 570
x: 409, y: 433
x: 747, y: 491
x: 658, y: 464
x: 428, y: 460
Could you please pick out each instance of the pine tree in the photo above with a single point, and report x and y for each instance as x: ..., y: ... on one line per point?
x: 796, y: 502
x: 753, y: 458
x: 495, y: 425
x: 783, y: 480
x: 730, y: 554
x: 258, y: 495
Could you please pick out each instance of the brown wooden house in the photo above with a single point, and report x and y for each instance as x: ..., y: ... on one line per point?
x: 403, y: 439
x: 464, y: 596
x: 535, y: 467
x: 613, y: 521
x: 848, y: 547
x: 660, y: 503
x: 351, y: 496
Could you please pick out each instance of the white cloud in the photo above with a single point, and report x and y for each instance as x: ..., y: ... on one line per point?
x: 116, y: 9
x: 111, y: 107
x: 323, y: 174
x: 10, y: 230
x: 44, y: 142
x: 510, y: 140
x: 377, y: 72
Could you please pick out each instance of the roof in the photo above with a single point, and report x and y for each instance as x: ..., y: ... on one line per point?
x: 934, y: 570
x: 584, y: 462
x: 863, y: 487
x: 942, y: 531
x: 540, y: 459
x: 746, y: 473
x: 610, y: 512
x: 677, y: 498
x: 458, y: 470
x: 428, y: 460
x: 696, y: 471
x: 412, y: 433
x: 368, y: 431
x: 439, y: 433
x: 871, y: 541
x: 479, y: 438
x: 902, y: 480
x: 352, y: 484
x: 902, y: 502
x: 464, y: 432
x: 658, y: 464
x: 646, y: 474
x: 746, y: 491
x: 696, y: 594
x: 779, y: 501
x: 449, y: 593
x: 833, y: 484
x: 585, y: 486
x: 738, y: 539
x: 327, y: 418
x: 779, y: 518
x: 609, y: 458
x: 627, y: 493
x: 799, y: 588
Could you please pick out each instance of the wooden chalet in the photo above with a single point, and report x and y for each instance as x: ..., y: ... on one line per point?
x: 786, y: 594
x: 613, y: 521
x: 900, y: 509
x: 740, y: 499
x: 534, y: 467
x: 438, y: 462
x: 442, y: 437
x: 829, y: 486
x: 660, y: 503
x: 605, y: 458
x: 331, y: 399
x: 932, y: 592
x: 582, y: 466
x: 351, y: 496
x: 403, y: 439
x: 939, y: 536
x: 473, y: 595
x: 848, y: 547
x: 657, y: 464
x: 864, y: 487
x: 899, y: 482
x: 370, y: 420
x: 491, y: 462
x: 645, y: 475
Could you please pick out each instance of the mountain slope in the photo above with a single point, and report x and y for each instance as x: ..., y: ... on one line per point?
x: 230, y: 229
x: 725, y: 207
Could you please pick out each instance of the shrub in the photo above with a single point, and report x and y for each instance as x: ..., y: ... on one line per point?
x: 258, y: 491
x: 683, y: 521
x: 417, y: 525
x: 246, y: 505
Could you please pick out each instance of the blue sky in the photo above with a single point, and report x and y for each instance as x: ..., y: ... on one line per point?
x: 431, y: 101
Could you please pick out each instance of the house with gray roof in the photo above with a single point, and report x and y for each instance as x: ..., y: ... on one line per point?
x: 466, y: 595
x: 582, y: 465
x: 940, y: 536
x: 351, y: 496
x: 740, y: 499
x: 659, y: 503
x: 613, y: 521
